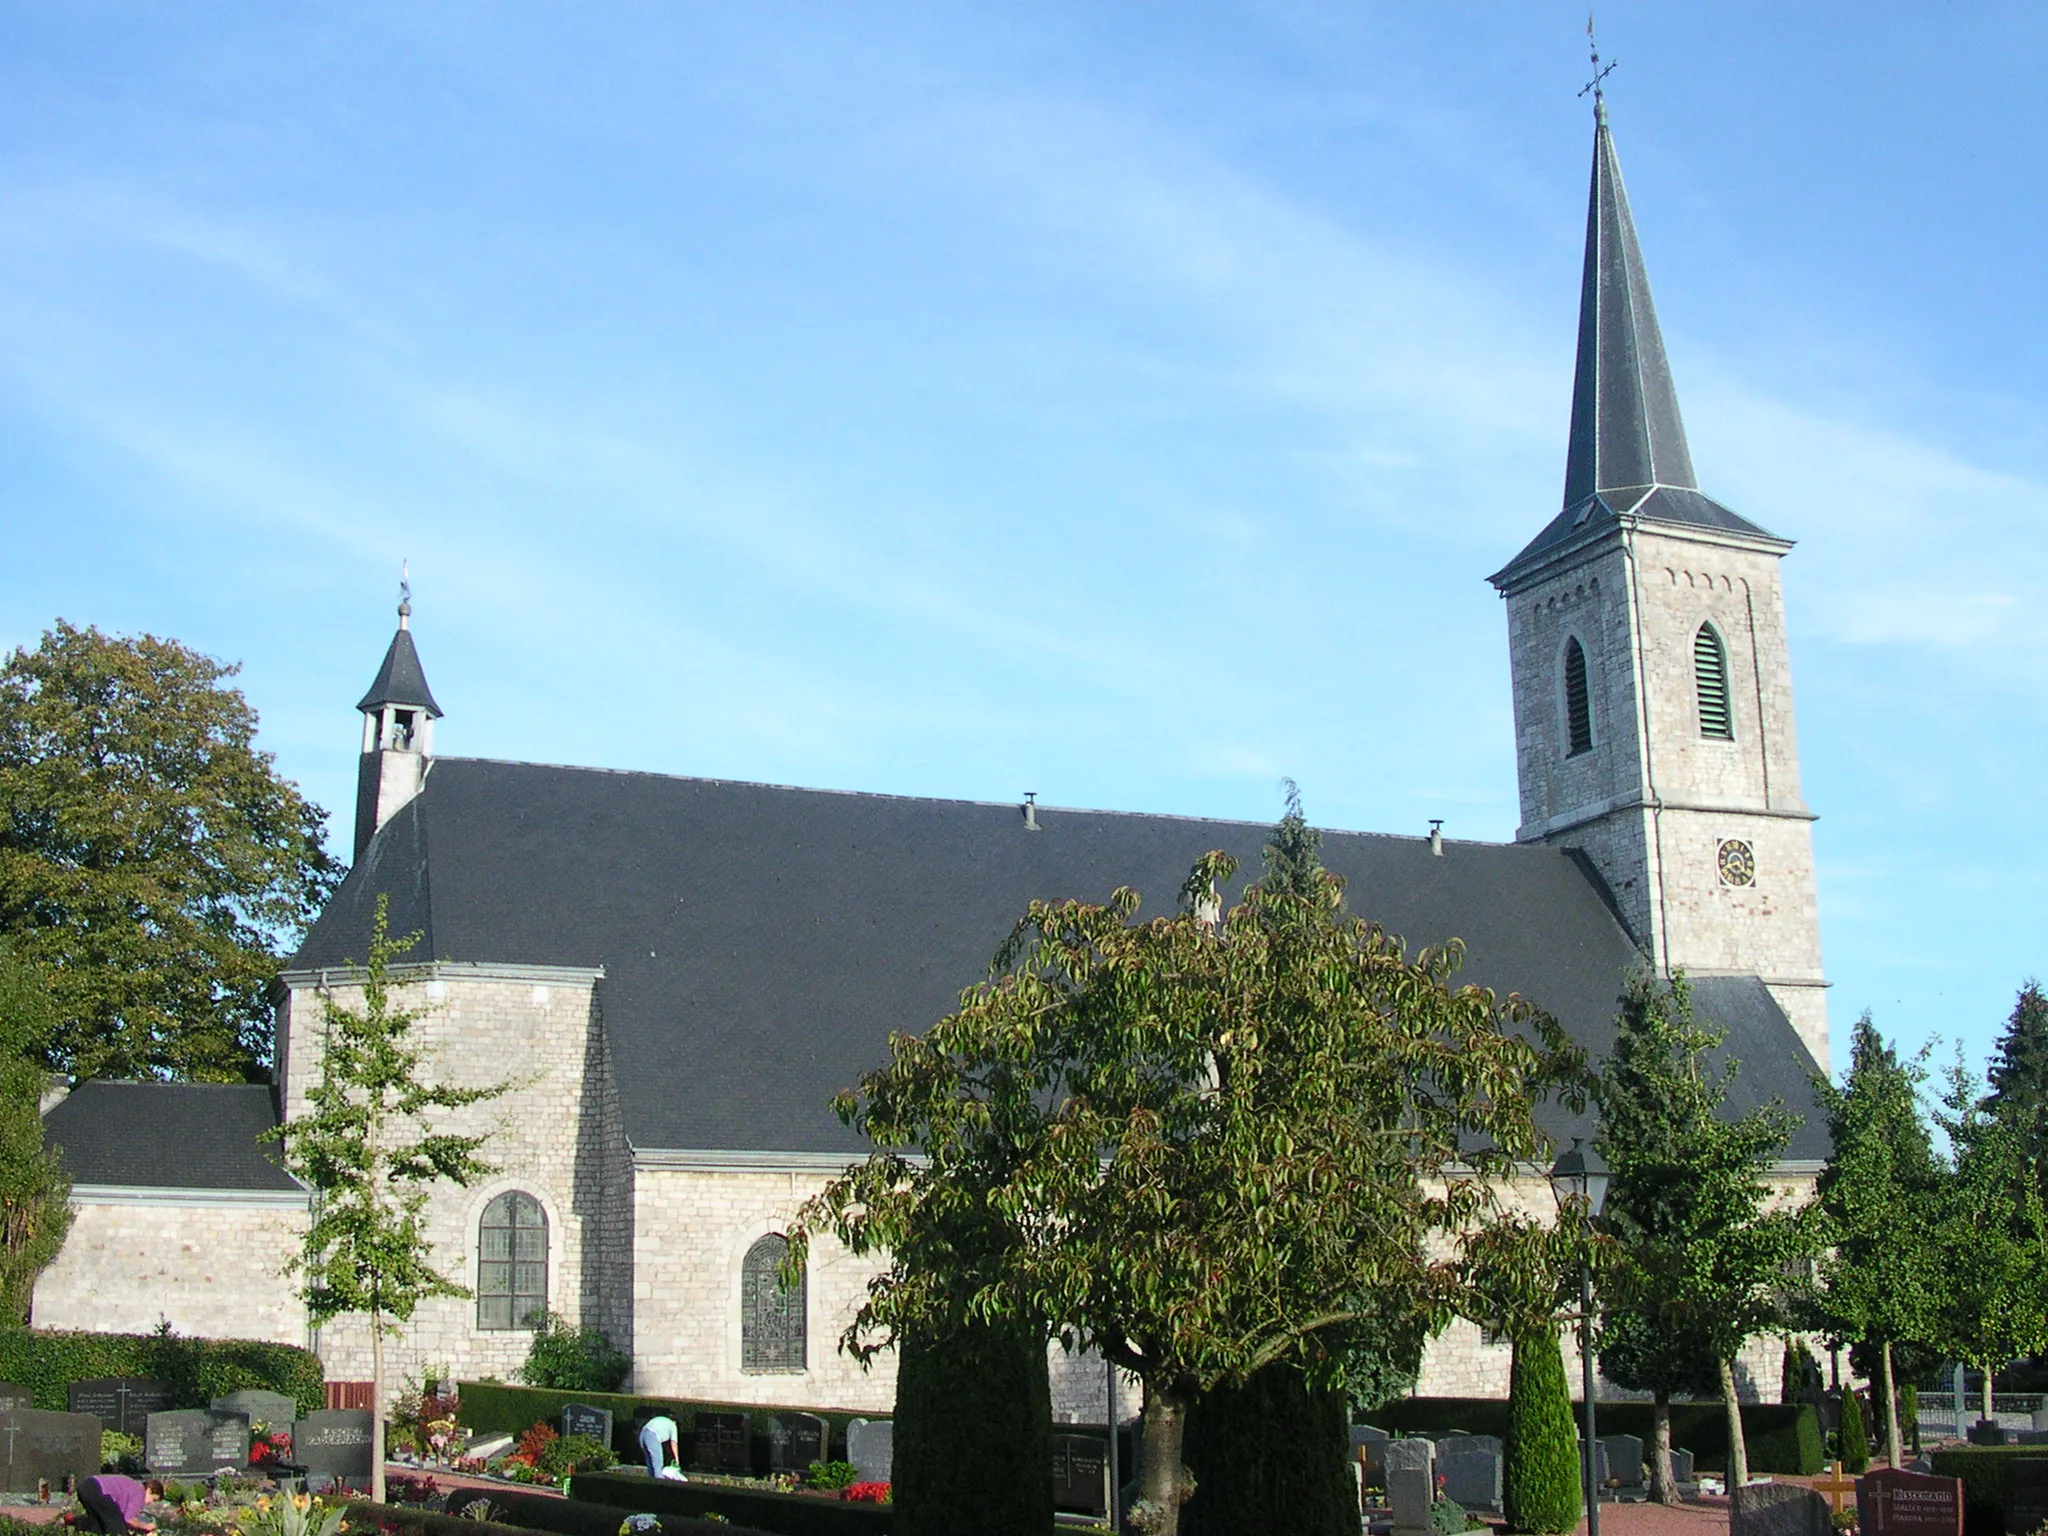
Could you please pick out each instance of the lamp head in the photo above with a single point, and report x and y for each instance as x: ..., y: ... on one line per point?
x: 1580, y: 1173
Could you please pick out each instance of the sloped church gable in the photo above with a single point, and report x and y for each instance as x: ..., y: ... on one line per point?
x: 677, y: 974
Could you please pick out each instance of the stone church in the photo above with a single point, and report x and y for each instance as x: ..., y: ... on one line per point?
x: 677, y: 974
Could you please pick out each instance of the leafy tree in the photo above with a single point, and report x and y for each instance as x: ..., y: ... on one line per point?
x: 367, y: 1146
x: 35, y: 1210
x: 1879, y: 1195
x: 1704, y: 1258
x: 1212, y: 1139
x: 153, y: 864
x: 2019, y: 1073
x: 567, y: 1358
x: 1991, y: 1245
x: 1521, y: 1276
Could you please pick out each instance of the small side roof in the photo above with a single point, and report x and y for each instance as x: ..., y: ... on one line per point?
x: 168, y: 1136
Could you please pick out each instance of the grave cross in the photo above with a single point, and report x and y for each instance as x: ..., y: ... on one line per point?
x: 12, y: 1431
x: 1834, y: 1485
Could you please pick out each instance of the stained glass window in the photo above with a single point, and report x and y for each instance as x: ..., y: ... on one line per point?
x: 771, y: 1315
x: 512, y: 1262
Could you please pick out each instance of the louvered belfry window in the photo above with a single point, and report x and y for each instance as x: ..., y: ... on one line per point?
x: 1710, y: 672
x: 512, y: 1262
x: 1578, y: 704
x: 771, y: 1317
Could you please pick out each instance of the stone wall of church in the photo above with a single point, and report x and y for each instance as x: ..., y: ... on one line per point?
x: 555, y: 1136
x: 692, y: 1228
x: 213, y: 1269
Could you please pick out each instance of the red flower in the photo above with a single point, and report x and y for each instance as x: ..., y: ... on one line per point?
x: 866, y: 1493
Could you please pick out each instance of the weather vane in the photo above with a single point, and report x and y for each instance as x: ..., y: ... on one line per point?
x: 404, y: 588
x: 1599, y: 74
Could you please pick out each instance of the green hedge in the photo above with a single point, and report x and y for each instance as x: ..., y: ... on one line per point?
x: 1983, y: 1470
x: 520, y: 1518
x: 784, y: 1514
x: 1270, y: 1458
x: 1782, y: 1437
x: 198, y: 1370
x: 492, y: 1407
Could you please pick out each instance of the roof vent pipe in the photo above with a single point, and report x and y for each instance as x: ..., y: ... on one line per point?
x: 1436, y: 836
x: 1030, y: 810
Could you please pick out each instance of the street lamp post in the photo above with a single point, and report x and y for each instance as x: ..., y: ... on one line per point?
x: 1579, y: 1179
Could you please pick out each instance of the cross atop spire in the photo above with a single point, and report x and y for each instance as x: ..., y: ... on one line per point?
x: 1599, y: 74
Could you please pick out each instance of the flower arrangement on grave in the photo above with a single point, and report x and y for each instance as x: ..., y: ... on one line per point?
x: 288, y: 1514
x: 270, y: 1447
x: 832, y: 1475
x: 865, y: 1493
x: 401, y: 1488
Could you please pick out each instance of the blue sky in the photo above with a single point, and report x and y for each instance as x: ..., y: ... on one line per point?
x: 1123, y: 401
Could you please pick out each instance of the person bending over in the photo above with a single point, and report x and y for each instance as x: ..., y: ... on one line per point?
x: 659, y: 1445
x: 113, y: 1505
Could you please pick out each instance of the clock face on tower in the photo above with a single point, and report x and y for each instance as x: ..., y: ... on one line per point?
x: 1737, y: 862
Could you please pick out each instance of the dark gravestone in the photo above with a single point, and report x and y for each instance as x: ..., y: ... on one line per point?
x: 2026, y: 1495
x: 1472, y: 1467
x: 194, y: 1442
x: 722, y: 1444
x: 1080, y: 1474
x: 795, y: 1440
x: 1778, y: 1509
x: 13, y: 1397
x: 46, y: 1447
x: 121, y: 1403
x: 333, y: 1445
x: 270, y: 1410
x: 580, y: 1419
x: 1890, y: 1503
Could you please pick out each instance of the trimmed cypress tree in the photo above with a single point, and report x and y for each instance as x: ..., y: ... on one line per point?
x: 1540, y: 1482
x: 1855, y: 1442
x: 973, y: 1446
x: 1270, y: 1458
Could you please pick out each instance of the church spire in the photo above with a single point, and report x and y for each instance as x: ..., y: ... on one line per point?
x: 398, y: 731
x: 1627, y: 435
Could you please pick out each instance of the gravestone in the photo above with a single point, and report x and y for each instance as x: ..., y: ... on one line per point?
x: 46, y: 1447
x: 333, y: 1445
x: 271, y: 1410
x: 1890, y: 1503
x: 1681, y: 1466
x: 195, y: 1442
x: 871, y: 1447
x: 121, y: 1403
x: 1080, y: 1474
x: 579, y: 1419
x: 1411, y: 1485
x: 1987, y: 1432
x: 13, y: 1397
x: 1471, y: 1466
x: 723, y: 1445
x: 1369, y: 1446
x: 795, y: 1440
x: 2026, y: 1494
x: 1778, y: 1509
x: 1624, y: 1461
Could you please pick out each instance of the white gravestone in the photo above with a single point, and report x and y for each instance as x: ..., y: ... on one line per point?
x: 1411, y: 1485
x: 871, y: 1447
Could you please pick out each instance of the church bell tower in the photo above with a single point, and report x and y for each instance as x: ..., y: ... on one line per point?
x: 398, y: 733
x: 1652, y: 685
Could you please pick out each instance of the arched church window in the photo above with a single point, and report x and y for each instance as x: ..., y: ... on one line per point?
x: 771, y: 1314
x: 1710, y: 673
x: 1578, y: 702
x: 512, y: 1262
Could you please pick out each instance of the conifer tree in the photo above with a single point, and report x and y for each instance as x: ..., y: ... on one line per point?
x: 35, y: 1209
x: 2019, y: 1073
x: 368, y: 1147
x: 1879, y: 1195
x: 1855, y: 1443
x: 1702, y: 1256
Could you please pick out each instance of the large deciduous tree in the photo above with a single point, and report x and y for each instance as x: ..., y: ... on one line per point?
x: 1213, y: 1138
x: 1703, y: 1255
x: 1879, y: 1281
x: 35, y: 1211
x: 1991, y: 1245
x: 368, y: 1146
x: 153, y: 864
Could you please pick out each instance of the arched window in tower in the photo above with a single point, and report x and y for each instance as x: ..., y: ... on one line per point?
x: 512, y: 1262
x: 771, y: 1314
x: 1710, y: 673
x: 1578, y: 702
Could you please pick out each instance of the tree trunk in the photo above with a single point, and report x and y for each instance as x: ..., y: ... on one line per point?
x: 1887, y: 1386
x: 1738, y: 1452
x: 1160, y: 1490
x: 1663, y: 1489
x: 376, y: 1408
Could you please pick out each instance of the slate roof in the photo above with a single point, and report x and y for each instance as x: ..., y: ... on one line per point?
x: 401, y: 679
x: 168, y: 1136
x: 759, y: 943
x: 1628, y: 454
